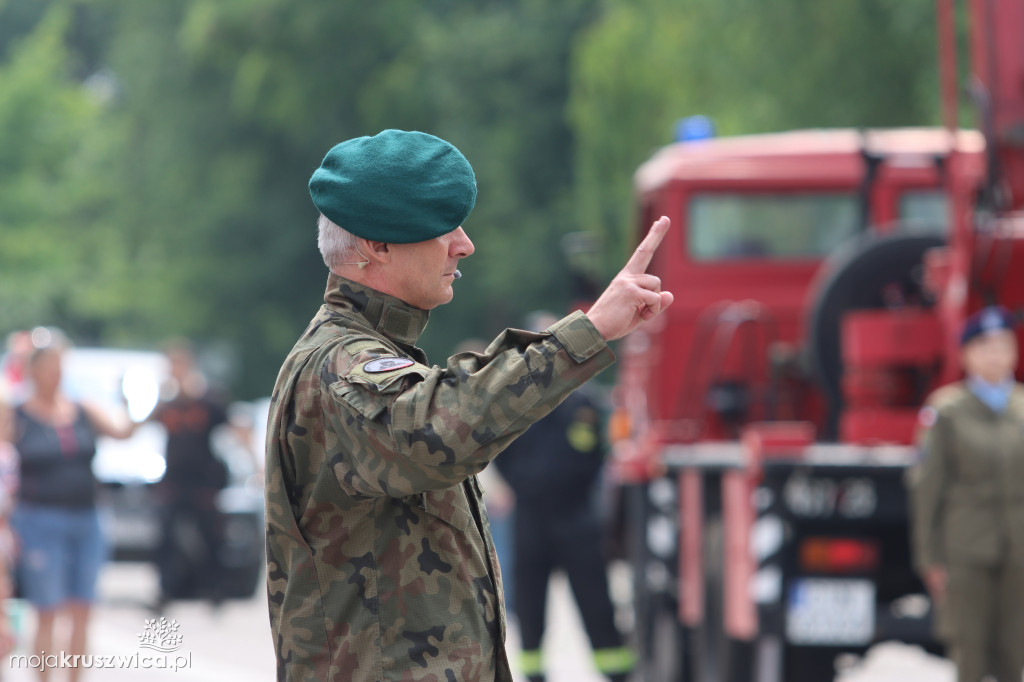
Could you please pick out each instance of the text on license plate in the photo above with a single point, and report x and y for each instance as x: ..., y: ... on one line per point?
x: 830, y: 612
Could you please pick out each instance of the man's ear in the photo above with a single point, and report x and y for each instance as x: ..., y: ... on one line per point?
x: 375, y: 252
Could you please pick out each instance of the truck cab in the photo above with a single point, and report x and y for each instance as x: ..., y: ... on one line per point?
x: 755, y: 218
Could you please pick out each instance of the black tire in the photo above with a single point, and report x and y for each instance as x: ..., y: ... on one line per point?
x: 810, y: 664
x: 738, y: 661
x: 669, y: 647
x: 858, y: 277
x: 661, y: 643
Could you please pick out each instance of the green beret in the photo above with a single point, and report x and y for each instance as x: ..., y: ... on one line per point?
x: 397, y: 187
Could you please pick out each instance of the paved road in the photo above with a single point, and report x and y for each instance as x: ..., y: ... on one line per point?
x: 234, y: 643
x: 230, y: 644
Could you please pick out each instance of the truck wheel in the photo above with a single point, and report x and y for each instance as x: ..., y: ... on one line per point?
x: 660, y: 640
x: 808, y: 664
x: 738, y: 661
x: 670, y: 649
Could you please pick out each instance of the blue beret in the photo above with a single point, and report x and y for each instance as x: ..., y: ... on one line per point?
x: 986, y: 320
x: 397, y: 187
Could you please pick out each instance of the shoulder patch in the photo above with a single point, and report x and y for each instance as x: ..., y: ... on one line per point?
x: 387, y: 364
x: 927, y: 417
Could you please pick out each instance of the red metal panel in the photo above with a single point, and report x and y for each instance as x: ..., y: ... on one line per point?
x: 691, y: 548
x: 883, y: 338
x: 997, y: 61
x: 877, y: 426
x: 740, y: 612
x: 775, y: 439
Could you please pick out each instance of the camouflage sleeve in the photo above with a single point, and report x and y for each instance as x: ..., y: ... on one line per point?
x: 430, y: 428
x: 929, y: 492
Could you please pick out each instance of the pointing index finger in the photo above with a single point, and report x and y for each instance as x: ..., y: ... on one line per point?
x: 641, y: 258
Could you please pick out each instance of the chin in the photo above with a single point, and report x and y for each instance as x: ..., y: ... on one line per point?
x: 441, y: 299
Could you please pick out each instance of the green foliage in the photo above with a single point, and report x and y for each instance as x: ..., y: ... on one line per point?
x: 154, y: 155
x: 751, y: 66
x: 47, y: 263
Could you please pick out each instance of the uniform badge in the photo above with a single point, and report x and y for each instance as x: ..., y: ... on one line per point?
x: 991, y: 321
x: 927, y: 416
x: 386, y: 364
x: 582, y: 436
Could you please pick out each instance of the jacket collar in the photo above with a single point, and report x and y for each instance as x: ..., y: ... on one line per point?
x: 385, y: 314
x: 995, y: 396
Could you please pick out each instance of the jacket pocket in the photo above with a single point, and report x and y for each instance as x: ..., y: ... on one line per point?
x: 361, y: 400
x: 971, y: 529
x: 449, y: 505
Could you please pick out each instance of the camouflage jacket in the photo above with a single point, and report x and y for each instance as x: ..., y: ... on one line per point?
x: 380, y: 564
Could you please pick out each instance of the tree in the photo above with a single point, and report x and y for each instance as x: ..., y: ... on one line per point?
x: 226, y: 108
x: 752, y: 67
x: 154, y: 155
x: 48, y: 263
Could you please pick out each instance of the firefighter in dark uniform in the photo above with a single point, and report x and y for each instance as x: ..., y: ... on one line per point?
x: 554, y: 470
x: 969, y: 504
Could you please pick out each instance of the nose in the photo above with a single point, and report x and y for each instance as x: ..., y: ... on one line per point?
x: 461, y: 245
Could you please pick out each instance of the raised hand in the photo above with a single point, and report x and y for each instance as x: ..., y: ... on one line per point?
x: 633, y: 296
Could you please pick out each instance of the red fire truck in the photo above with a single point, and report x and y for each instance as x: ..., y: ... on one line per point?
x: 765, y: 425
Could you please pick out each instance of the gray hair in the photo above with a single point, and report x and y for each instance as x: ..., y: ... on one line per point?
x: 337, y: 245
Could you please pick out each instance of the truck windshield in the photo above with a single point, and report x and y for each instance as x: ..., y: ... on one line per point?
x: 925, y: 210
x: 724, y: 226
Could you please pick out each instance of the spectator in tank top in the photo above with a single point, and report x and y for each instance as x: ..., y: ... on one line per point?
x: 61, y: 546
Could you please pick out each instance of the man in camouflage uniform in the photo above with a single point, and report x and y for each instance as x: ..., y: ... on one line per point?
x: 380, y: 563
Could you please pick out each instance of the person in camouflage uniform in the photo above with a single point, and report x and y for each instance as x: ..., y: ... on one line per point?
x: 379, y: 559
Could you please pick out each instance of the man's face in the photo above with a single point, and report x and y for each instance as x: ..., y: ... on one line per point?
x: 181, y: 365
x: 991, y: 356
x: 423, y: 272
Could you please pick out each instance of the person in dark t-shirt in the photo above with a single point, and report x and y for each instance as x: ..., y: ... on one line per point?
x: 193, y: 478
x: 190, y: 422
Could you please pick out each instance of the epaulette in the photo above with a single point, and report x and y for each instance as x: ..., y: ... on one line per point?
x: 936, y: 401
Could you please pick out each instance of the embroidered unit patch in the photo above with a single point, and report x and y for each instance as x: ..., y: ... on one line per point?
x: 386, y: 364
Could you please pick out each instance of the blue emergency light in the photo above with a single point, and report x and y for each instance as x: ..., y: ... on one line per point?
x: 694, y: 129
